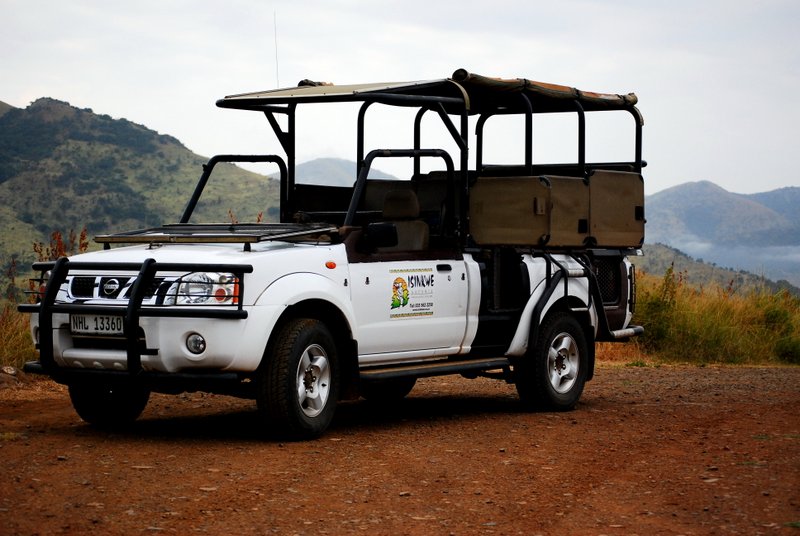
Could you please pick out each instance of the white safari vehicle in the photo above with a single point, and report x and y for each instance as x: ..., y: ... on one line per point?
x: 509, y: 271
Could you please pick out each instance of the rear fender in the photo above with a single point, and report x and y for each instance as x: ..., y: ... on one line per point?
x: 576, y: 296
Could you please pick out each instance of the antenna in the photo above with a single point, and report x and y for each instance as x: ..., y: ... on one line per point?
x: 275, y: 33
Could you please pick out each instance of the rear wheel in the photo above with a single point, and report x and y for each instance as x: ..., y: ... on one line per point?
x: 299, y: 380
x: 108, y: 405
x: 553, y: 372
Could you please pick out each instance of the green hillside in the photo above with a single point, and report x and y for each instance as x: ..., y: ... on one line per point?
x: 65, y: 168
x: 657, y: 258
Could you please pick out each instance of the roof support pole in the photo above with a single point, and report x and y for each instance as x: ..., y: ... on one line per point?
x: 287, y: 141
x: 418, y: 139
x: 479, y: 141
x: 528, y: 134
x: 639, y: 123
x: 460, y: 137
x: 362, y: 112
x: 462, y: 225
x: 581, y: 139
x: 528, y: 110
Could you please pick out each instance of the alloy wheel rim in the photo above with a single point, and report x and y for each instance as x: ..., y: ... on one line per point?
x: 313, y: 380
x: 563, y: 363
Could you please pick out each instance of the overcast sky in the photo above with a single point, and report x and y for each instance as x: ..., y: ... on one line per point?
x: 717, y: 80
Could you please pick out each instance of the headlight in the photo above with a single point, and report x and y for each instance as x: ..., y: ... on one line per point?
x: 204, y: 288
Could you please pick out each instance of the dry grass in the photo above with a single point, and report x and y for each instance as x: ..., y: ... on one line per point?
x: 17, y: 346
x: 717, y: 325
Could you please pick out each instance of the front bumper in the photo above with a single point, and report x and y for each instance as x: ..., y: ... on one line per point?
x: 149, y: 331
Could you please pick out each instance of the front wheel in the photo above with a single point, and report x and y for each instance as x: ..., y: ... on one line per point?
x: 108, y: 405
x: 553, y: 372
x: 298, y: 383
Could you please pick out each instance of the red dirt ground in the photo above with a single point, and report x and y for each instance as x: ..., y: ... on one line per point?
x: 649, y: 450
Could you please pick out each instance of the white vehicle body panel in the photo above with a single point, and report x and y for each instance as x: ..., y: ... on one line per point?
x: 407, y: 307
x: 577, y: 287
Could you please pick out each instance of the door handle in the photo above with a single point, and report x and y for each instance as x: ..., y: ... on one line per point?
x: 443, y: 268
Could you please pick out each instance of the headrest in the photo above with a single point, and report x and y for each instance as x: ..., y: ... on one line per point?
x: 399, y: 204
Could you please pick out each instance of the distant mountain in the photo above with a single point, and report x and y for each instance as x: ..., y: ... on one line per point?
x: 784, y: 201
x: 332, y: 172
x: 706, y: 212
x: 759, y: 233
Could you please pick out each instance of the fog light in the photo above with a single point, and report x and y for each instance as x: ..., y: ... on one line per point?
x: 196, y: 343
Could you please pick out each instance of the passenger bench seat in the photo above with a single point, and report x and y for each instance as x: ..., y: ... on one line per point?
x: 401, y: 207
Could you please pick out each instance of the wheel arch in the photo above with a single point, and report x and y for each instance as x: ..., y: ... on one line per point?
x: 571, y: 304
x: 311, y: 295
x: 337, y: 323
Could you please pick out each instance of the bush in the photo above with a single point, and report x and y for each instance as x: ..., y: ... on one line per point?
x: 656, y: 309
x: 716, y: 325
x: 788, y: 349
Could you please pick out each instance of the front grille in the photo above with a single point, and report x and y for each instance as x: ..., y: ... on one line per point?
x: 110, y: 287
x: 82, y: 287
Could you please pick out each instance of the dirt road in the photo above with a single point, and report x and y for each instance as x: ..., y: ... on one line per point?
x: 668, y: 450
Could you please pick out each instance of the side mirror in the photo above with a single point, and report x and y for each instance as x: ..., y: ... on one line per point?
x: 380, y: 235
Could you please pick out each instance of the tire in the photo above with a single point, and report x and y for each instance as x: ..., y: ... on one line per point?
x: 387, y: 391
x: 298, y: 383
x: 108, y: 405
x: 552, y: 374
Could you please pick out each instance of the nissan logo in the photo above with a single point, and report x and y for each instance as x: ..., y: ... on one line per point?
x: 110, y: 287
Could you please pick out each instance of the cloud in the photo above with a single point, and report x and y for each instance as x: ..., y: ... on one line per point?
x: 714, y: 78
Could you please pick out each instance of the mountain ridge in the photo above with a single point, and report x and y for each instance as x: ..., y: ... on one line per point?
x: 704, y: 210
x: 758, y: 232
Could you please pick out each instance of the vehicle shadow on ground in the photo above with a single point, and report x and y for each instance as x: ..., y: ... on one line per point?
x: 242, y: 422
x: 365, y: 415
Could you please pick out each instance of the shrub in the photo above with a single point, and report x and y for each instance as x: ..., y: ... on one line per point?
x: 17, y: 346
x: 788, y: 349
x: 717, y: 325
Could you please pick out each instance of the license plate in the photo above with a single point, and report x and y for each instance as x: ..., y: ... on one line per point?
x: 95, y: 325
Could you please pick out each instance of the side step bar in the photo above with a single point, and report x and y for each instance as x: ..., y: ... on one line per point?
x: 630, y: 331
x: 441, y: 368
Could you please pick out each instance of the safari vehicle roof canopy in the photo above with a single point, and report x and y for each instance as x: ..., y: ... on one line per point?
x: 463, y: 91
x: 569, y: 213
